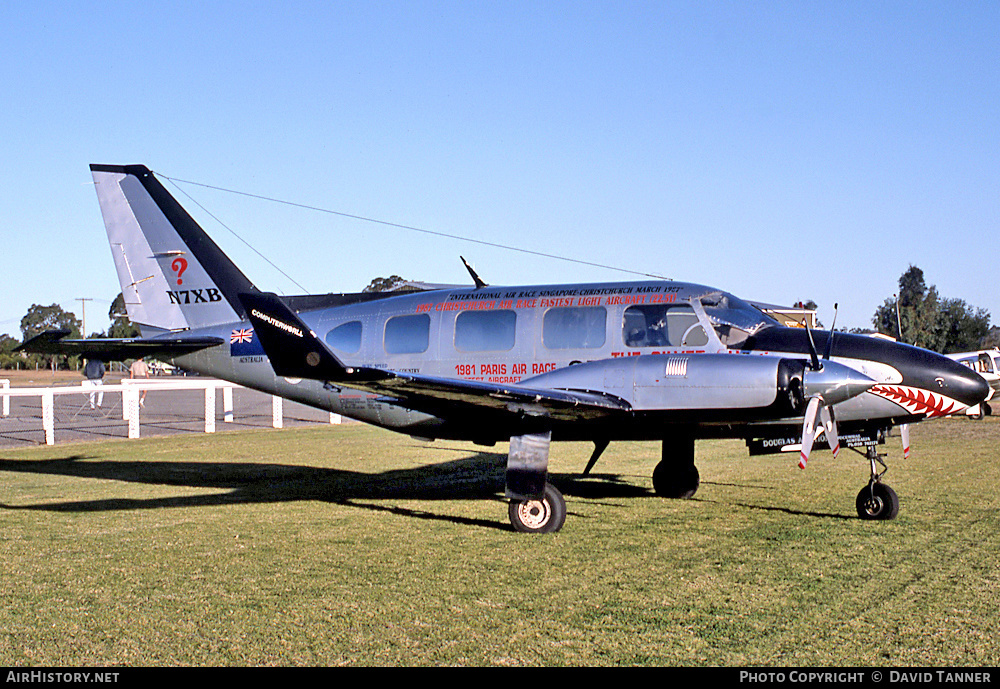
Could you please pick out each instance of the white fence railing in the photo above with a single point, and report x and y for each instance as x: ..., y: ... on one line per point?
x: 130, y: 390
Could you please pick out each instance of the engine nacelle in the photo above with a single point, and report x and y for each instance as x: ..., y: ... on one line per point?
x: 690, y: 381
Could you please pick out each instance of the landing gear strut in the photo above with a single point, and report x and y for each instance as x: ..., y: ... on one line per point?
x: 676, y: 476
x: 877, y: 500
x: 536, y: 506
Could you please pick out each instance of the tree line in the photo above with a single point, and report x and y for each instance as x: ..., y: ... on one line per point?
x: 40, y: 318
x: 920, y: 316
x: 917, y: 315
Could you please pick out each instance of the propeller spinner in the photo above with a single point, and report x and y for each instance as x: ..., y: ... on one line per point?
x: 832, y: 384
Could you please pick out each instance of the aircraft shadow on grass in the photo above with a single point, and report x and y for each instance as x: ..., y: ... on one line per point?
x: 474, y: 477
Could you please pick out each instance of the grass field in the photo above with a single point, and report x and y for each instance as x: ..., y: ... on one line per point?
x: 350, y: 545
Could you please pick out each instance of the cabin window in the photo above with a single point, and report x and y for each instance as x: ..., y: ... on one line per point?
x: 485, y: 331
x: 407, y: 334
x: 346, y: 337
x: 662, y: 325
x: 576, y: 327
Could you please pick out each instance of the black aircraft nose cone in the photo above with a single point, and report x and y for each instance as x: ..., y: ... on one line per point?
x: 965, y: 385
x: 937, y: 373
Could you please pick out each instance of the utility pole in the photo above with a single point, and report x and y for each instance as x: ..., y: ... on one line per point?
x: 899, y: 323
x: 83, y: 313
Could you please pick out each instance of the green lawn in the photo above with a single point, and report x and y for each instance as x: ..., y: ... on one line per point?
x: 350, y: 545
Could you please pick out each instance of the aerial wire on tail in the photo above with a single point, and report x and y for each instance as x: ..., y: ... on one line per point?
x: 231, y: 230
x: 410, y: 228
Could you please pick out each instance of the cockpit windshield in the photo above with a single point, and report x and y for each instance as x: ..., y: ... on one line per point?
x: 734, y: 319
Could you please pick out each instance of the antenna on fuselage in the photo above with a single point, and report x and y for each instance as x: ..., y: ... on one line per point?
x: 829, y: 343
x: 814, y: 357
x: 475, y: 276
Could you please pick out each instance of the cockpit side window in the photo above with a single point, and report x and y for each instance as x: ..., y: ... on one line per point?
x: 662, y: 325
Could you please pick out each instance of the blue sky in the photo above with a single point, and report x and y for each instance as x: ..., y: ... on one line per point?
x: 782, y: 151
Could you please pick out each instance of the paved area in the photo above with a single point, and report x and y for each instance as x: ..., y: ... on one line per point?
x: 166, y: 412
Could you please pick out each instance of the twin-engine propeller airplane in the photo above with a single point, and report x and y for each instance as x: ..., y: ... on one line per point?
x: 652, y: 360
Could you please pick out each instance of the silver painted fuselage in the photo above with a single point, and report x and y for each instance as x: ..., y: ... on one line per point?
x: 716, y: 381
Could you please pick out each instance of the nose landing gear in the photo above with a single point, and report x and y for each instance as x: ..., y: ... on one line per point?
x: 877, y: 500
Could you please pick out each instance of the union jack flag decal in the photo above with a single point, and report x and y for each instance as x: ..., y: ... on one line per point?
x: 243, y: 343
x: 241, y: 336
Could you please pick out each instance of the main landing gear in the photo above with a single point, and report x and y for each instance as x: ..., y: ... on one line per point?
x: 536, y: 506
x: 676, y: 476
x: 544, y: 515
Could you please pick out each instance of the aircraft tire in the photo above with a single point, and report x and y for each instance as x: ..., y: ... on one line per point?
x: 677, y: 482
x: 539, y: 516
x: 877, y: 501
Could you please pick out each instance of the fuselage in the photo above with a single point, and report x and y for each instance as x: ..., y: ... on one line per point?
x: 530, y: 335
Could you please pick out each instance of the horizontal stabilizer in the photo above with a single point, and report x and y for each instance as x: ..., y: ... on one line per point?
x: 293, y: 349
x: 116, y: 349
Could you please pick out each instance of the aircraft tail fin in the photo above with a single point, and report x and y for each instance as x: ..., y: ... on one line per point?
x: 173, y: 276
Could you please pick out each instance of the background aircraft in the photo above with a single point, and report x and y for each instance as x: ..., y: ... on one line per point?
x: 651, y: 360
x: 985, y: 362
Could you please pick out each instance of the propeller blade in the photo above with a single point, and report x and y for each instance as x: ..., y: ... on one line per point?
x: 829, y: 421
x: 904, y: 432
x: 809, y: 430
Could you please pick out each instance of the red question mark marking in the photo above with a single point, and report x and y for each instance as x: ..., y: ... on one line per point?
x: 179, y: 265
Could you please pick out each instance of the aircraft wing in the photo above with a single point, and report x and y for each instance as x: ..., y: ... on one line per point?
x: 115, y: 349
x: 431, y: 394
x: 296, y: 352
